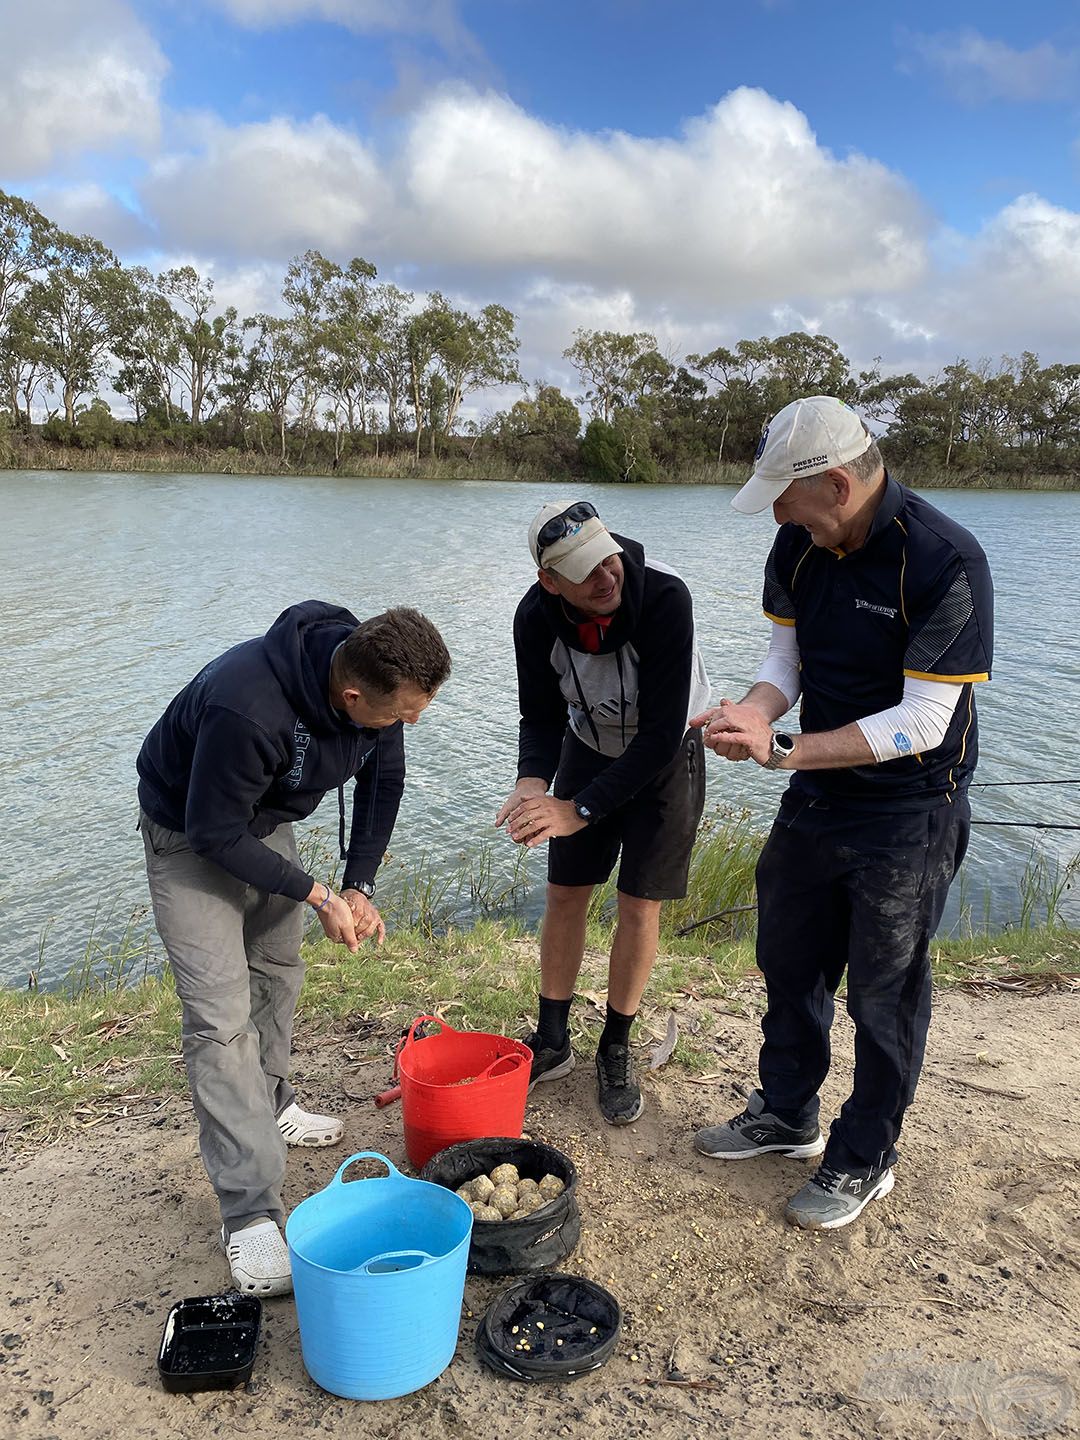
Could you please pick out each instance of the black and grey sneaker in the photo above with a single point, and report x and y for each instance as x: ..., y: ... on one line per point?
x: 548, y: 1064
x: 833, y: 1198
x: 755, y: 1132
x: 619, y: 1093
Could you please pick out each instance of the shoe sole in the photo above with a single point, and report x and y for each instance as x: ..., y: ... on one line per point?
x: 316, y: 1141
x: 884, y: 1185
x: 555, y: 1073
x: 790, y: 1152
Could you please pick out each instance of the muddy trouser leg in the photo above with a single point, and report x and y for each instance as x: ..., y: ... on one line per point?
x: 801, y: 951
x: 897, y: 899
x: 202, y: 915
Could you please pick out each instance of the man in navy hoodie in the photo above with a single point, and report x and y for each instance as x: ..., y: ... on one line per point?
x: 253, y: 743
x: 608, y: 674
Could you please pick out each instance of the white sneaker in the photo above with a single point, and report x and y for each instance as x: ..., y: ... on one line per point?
x: 258, y: 1258
x: 301, y: 1128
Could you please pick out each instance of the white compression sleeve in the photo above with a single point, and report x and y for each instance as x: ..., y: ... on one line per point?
x: 918, y: 723
x: 781, y: 665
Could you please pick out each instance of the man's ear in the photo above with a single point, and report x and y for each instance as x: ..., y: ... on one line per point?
x: 546, y: 582
x: 350, y: 694
x: 840, y: 481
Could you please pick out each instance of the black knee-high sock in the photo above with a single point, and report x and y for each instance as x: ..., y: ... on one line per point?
x: 554, y: 1022
x: 616, y: 1028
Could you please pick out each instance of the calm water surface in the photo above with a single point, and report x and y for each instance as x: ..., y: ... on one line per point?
x: 115, y: 589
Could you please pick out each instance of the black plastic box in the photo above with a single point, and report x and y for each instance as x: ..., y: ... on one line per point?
x: 209, y: 1342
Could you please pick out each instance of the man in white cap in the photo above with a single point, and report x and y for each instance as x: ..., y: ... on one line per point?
x: 882, y: 621
x: 608, y: 676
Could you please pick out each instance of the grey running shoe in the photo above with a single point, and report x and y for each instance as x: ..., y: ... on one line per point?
x: 548, y: 1064
x: 619, y: 1094
x: 756, y: 1132
x: 833, y: 1198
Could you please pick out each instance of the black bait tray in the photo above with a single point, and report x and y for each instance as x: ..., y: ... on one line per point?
x: 209, y: 1342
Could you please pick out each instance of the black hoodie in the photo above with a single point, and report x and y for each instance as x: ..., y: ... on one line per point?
x: 253, y: 742
x: 630, y: 701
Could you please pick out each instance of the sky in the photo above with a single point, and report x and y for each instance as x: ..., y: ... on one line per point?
x: 903, y: 178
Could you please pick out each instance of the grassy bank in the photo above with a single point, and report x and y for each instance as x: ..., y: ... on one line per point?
x: 109, y: 1041
x: 481, y: 466
x: 76, y: 1060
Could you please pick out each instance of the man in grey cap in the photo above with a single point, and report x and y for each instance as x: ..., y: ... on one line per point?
x: 882, y: 621
x: 608, y: 675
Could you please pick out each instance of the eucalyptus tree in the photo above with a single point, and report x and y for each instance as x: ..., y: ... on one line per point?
x: 77, y: 309
x: 277, y: 359
x: 471, y: 352
x: 146, y: 343
x: 27, y: 239
x: 350, y: 343
x: 605, y: 361
x: 207, y: 342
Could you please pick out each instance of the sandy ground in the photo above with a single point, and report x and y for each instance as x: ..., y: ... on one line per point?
x: 952, y: 1308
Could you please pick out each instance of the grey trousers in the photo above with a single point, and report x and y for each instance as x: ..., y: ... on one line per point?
x: 235, y: 953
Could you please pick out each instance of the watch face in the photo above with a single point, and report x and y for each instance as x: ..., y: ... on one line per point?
x: 784, y: 743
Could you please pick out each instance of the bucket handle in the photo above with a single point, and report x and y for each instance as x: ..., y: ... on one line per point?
x: 504, y: 1065
x: 410, y: 1038
x: 393, y: 1173
x: 388, y: 1262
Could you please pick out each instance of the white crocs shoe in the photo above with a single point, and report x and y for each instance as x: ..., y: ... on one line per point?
x: 300, y: 1128
x: 258, y: 1258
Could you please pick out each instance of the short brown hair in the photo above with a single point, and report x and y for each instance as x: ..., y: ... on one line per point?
x: 398, y: 647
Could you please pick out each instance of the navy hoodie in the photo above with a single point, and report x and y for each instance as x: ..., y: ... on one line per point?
x: 253, y: 742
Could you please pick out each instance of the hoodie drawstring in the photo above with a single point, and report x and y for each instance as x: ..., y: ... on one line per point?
x: 581, y: 697
x: 622, y: 697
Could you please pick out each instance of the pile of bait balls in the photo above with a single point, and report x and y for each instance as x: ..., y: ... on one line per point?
x: 504, y: 1195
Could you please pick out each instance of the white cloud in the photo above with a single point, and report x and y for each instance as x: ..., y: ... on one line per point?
x: 267, y: 190
x: 743, y: 204
x: 976, y: 68
x: 75, y: 78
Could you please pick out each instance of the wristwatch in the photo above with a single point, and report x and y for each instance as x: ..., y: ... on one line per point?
x: 583, y: 812
x: 782, y: 747
x: 366, y: 887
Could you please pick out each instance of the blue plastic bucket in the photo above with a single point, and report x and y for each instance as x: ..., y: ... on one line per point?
x: 378, y: 1270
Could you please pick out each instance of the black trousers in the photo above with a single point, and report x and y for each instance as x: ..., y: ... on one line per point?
x: 861, y: 894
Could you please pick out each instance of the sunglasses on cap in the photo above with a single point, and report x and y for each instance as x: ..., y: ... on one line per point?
x: 559, y: 526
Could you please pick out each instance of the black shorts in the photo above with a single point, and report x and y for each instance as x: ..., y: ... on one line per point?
x: 656, y: 829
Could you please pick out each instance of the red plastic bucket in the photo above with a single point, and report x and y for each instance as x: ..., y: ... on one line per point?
x: 459, y: 1085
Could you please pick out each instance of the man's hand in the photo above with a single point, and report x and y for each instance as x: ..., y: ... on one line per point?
x: 526, y: 788
x: 716, y: 726
x: 335, y: 916
x: 366, y: 917
x: 738, y: 731
x: 542, y: 817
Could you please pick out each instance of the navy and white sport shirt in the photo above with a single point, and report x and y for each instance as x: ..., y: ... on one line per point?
x: 916, y: 600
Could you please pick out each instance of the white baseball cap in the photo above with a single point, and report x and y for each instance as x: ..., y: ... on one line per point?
x: 577, y: 540
x: 805, y: 438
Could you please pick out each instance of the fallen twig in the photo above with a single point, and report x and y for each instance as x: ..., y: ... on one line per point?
x: 982, y: 1089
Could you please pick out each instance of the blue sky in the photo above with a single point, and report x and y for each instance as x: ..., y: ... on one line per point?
x: 903, y: 177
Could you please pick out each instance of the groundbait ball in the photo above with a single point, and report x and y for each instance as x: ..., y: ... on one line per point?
x: 530, y: 1201
x: 527, y: 1187
x: 504, y: 1198
x: 551, y: 1187
x: 485, y: 1212
x: 505, y: 1175
x: 466, y: 1192
x: 482, y: 1188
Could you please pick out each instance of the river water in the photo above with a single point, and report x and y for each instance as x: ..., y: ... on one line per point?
x: 115, y: 589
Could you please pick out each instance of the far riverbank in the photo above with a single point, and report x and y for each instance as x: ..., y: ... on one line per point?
x: 482, y: 466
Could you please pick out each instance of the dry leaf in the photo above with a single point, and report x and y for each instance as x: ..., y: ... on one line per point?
x: 662, y: 1053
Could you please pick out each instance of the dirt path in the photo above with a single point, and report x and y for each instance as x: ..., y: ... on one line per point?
x: 970, y: 1270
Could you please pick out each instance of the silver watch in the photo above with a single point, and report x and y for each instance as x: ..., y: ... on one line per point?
x: 782, y: 747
